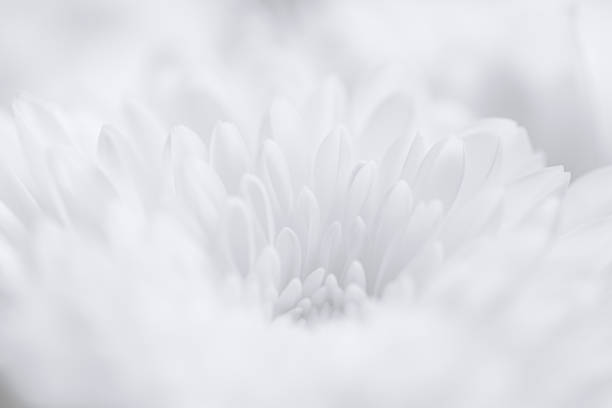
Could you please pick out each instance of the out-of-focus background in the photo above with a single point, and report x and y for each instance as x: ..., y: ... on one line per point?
x: 542, y: 63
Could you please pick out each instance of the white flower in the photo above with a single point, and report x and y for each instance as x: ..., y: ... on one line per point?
x: 139, y: 269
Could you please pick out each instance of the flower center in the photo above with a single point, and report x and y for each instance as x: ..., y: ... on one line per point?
x: 347, y: 233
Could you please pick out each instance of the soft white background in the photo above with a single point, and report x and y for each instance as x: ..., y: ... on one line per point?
x: 542, y: 63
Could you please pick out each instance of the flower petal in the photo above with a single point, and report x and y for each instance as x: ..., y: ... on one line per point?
x: 588, y: 199
x: 289, y: 296
x: 441, y: 173
x: 331, y: 251
x: 355, y: 275
x: 183, y: 142
x: 255, y: 193
x: 239, y: 237
x: 290, y: 254
x: 229, y: 156
x: 277, y: 179
x: 313, y: 281
x: 359, y: 189
x: 330, y: 168
x: 308, y: 220
x: 268, y: 268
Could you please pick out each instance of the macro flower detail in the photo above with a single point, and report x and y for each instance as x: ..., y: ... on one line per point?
x: 202, y: 256
x: 313, y: 236
x: 290, y: 203
x: 358, y: 226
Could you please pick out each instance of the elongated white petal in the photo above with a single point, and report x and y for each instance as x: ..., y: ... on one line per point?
x: 313, y: 281
x: 391, y: 120
x: 330, y: 167
x: 289, y: 296
x: 276, y: 176
x: 257, y: 196
x: 413, y: 160
x: 482, y: 161
x: 359, y: 189
x: 145, y: 131
x: 290, y: 253
x: 395, y: 210
x: 268, y: 267
x: 331, y: 251
x: 356, y: 239
x: 441, y: 174
x: 183, y: 142
x: 392, y: 163
x: 229, y: 156
x: 355, y: 275
x: 308, y: 218
x: 239, y: 235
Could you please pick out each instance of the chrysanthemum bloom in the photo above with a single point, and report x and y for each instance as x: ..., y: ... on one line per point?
x: 337, y: 256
